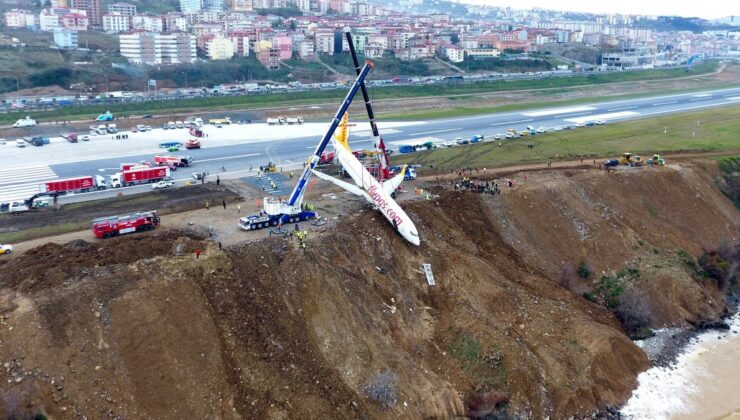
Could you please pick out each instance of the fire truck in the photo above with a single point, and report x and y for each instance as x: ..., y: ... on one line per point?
x: 106, y: 227
x: 195, y: 132
x: 176, y: 161
x: 138, y: 175
x: 78, y: 184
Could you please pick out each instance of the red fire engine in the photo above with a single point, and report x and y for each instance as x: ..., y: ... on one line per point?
x: 105, y: 227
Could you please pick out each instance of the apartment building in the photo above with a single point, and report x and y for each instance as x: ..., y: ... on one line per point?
x: 191, y: 6
x: 158, y: 48
x: 175, y: 22
x: 148, y: 23
x: 219, y: 48
x: 18, y: 18
x: 116, y: 22
x: 92, y: 9
x: 125, y: 9
x: 269, y: 57
x: 64, y: 38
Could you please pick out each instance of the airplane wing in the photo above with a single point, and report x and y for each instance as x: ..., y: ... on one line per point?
x: 344, y: 185
x: 390, y: 185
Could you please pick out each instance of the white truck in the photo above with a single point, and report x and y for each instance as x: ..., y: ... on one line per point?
x: 294, y: 120
x: 98, y: 129
x: 111, y: 128
x: 276, y: 121
x: 25, y: 122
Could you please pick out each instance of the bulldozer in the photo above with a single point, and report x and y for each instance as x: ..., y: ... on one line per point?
x: 628, y: 159
x: 625, y: 159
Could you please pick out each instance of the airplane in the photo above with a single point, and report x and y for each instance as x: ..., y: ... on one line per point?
x: 377, y: 194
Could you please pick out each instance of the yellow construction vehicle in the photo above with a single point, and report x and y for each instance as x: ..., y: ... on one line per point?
x: 270, y: 167
x: 626, y: 159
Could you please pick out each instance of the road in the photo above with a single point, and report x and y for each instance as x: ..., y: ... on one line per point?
x: 239, y: 148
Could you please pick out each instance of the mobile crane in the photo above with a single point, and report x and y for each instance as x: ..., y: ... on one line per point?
x: 276, y: 211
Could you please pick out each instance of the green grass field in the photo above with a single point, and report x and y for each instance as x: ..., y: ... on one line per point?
x: 718, y: 129
x: 392, y: 92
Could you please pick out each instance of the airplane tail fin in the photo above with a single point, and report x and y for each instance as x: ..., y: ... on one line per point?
x: 342, y: 134
x: 390, y: 185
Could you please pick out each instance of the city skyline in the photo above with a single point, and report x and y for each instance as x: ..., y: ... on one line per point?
x: 710, y: 9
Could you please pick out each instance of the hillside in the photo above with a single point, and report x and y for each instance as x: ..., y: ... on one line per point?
x: 137, y: 327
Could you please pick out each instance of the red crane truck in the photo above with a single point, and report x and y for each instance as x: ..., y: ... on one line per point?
x: 105, y: 227
x: 138, y: 175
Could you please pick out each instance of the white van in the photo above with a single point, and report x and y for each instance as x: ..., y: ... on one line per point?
x: 25, y: 122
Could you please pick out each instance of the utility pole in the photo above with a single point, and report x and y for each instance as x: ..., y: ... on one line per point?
x: 106, y: 83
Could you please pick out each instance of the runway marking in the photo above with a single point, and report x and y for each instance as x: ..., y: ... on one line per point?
x: 18, y: 192
x: 610, y: 116
x: 622, y: 108
x: 579, y: 113
x: 24, y: 175
x: 513, y: 122
x: 702, y: 95
x: 227, y: 157
x: 665, y: 103
x: 732, y: 98
x: 435, y: 132
x: 558, y: 111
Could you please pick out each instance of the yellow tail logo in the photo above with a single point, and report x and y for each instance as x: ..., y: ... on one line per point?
x: 342, y: 135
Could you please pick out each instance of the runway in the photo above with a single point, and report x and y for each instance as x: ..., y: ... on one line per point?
x: 241, y: 147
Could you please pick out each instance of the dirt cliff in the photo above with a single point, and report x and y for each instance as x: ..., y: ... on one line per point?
x: 138, y: 327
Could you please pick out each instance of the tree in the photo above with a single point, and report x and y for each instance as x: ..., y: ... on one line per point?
x: 455, y: 39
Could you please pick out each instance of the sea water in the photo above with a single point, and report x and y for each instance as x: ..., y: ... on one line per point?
x: 703, y: 382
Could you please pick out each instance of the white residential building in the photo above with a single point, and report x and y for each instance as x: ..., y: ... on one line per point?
x: 156, y: 48
x: 48, y: 21
x: 116, y: 22
x: 303, y: 5
x: 191, y: 6
x: 18, y: 18
x: 147, y: 23
x: 64, y: 38
x: 220, y: 48
x: 175, y: 22
x: 125, y: 9
x: 360, y: 8
x: 214, y: 5
x: 324, y: 43
x: 455, y: 54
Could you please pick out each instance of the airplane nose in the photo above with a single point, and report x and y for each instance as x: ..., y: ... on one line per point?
x: 412, y: 236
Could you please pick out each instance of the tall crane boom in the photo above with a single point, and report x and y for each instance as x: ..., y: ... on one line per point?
x: 365, y: 96
x: 300, y: 187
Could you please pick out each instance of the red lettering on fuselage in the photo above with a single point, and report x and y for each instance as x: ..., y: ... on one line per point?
x: 383, y: 205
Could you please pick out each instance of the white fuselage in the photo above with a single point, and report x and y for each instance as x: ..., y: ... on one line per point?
x: 376, y: 195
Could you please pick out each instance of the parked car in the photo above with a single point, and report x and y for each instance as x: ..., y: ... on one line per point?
x: 599, y: 122
x: 6, y: 249
x: 498, y: 136
x: 85, y: 138
x: 147, y: 116
x: 579, y: 125
x: 3, y: 141
x: 20, y: 143
x: 162, y: 184
x: 460, y: 140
